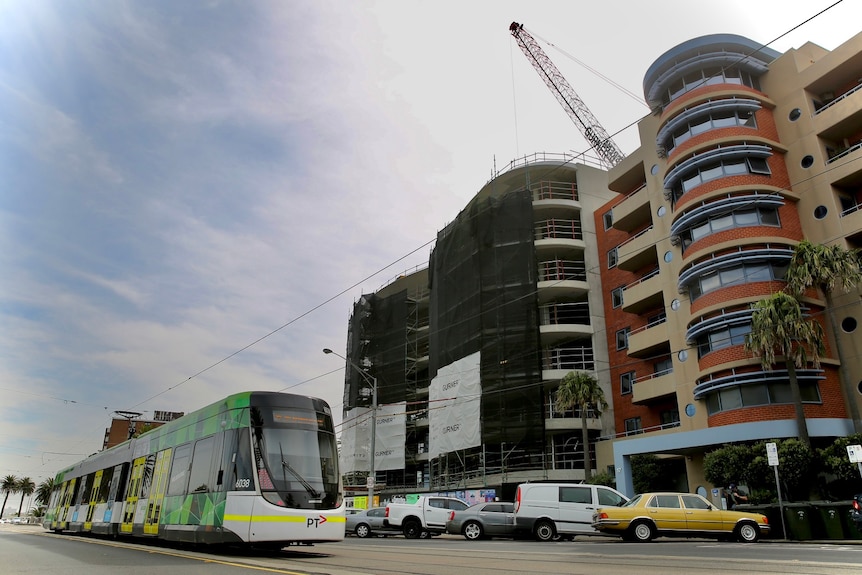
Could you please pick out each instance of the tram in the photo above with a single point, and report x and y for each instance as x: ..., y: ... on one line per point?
x: 256, y: 468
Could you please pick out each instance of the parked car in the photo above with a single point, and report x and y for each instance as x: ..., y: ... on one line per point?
x: 426, y: 517
x: 856, y: 511
x: 549, y: 511
x: 368, y: 523
x: 649, y: 515
x: 492, y: 519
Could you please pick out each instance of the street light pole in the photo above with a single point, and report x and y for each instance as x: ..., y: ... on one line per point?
x: 373, y: 381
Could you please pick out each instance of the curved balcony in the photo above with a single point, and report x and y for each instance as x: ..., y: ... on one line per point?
x: 695, y: 215
x: 558, y: 279
x: 559, y: 360
x: 712, y: 384
x: 741, y: 256
x: 634, y: 211
x: 559, y: 234
x: 562, y: 321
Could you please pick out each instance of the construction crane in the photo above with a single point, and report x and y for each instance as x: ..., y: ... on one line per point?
x: 609, y: 153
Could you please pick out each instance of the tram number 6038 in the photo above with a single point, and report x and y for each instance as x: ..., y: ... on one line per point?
x: 242, y: 484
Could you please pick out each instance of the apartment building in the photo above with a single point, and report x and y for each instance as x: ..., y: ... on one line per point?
x: 746, y: 152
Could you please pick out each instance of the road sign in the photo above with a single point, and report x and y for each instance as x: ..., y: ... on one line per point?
x: 855, y: 453
x: 369, y: 483
x: 772, y: 454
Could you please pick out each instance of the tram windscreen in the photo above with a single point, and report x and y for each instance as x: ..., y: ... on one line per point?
x: 296, y: 457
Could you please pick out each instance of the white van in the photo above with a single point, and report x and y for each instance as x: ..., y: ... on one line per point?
x: 549, y: 510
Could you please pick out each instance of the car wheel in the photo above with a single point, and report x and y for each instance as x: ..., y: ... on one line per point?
x: 472, y: 531
x: 545, y: 531
x: 747, y: 532
x: 412, y: 529
x: 643, y: 532
x: 362, y: 530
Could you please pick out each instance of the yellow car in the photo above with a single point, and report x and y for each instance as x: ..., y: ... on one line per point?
x: 649, y: 515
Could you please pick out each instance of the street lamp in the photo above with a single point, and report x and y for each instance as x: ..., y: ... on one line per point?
x: 373, y: 381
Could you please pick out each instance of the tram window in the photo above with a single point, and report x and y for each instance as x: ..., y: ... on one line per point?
x: 117, y: 476
x: 180, y: 470
x: 105, y: 485
x: 200, y: 476
x: 147, y: 477
x: 241, y: 469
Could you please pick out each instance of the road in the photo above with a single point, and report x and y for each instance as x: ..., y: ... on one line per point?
x: 32, y: 550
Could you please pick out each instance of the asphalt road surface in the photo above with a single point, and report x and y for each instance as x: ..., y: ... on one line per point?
x: 30, y: 549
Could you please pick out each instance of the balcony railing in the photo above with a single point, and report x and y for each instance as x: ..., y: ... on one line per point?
x: 565, y: 313
x: 555, y: 191
x: 559, y: 270
x: 819, y: 107
x: 569, y: 358
x: 559, y: 228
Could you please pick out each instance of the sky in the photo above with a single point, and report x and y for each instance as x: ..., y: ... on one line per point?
x: 194, y: 194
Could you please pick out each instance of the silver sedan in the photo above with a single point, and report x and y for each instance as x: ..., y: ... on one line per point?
x: 369, y: 522
x: 492, y: 519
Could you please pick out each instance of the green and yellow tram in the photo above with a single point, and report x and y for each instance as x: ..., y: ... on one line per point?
x: 257, y: 468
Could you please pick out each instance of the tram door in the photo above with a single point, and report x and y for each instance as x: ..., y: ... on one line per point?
x: 132, y: 495
x: 94, y: 493
x: 65, y: 501
x: 157, y: 492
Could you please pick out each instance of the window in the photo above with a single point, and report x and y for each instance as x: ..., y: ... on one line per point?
x: 617, y: 297
x: 180, y: 470
x: 200, y: 477
x: 736, y: 275
x: 626, y: 382
x: 738, y: 219
x: 709, y: 171
x: 608, y: 219
x: 663, y: 367
x: 754, y: 394
x: 576, y: 495
x: 608, y: 498
x: 633, y: 425
x: 623, y: 339
x: 669, y: 417
x: 666, y: 502
x: 612, y: 258
x: 694, y: 502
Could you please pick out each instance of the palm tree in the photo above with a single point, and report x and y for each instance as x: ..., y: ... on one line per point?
x: 9, y: 485
x: 26, y: 487
x: 581, y: 390
x: 779, y: 327
x: 43, y: 492
x: 828, y: 268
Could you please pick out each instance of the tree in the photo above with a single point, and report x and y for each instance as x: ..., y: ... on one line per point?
x: 43, y: 492
x: 26, y: 487
x: 779, y: 327
x: 9, y: 485
x: 828, y: 268
x: 581, y: 390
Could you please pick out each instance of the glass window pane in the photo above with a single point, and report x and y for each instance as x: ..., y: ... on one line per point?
x: 713, y: 405
x: 769, y: 217
x: 199, y: 477
x: 733, y: 276
x: 810, y: 392
x: 754, y: 395
x: 700, y: 231
x: 758, y: 273
x: 711, y: 172
x: 700, y: 126
x: 690, y: 182
x: 722, y: 223
x: 735, y: 167
x: 730, y: 399
x: 710, y: 282
x: 746, y: 218
x: 780, y: 393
